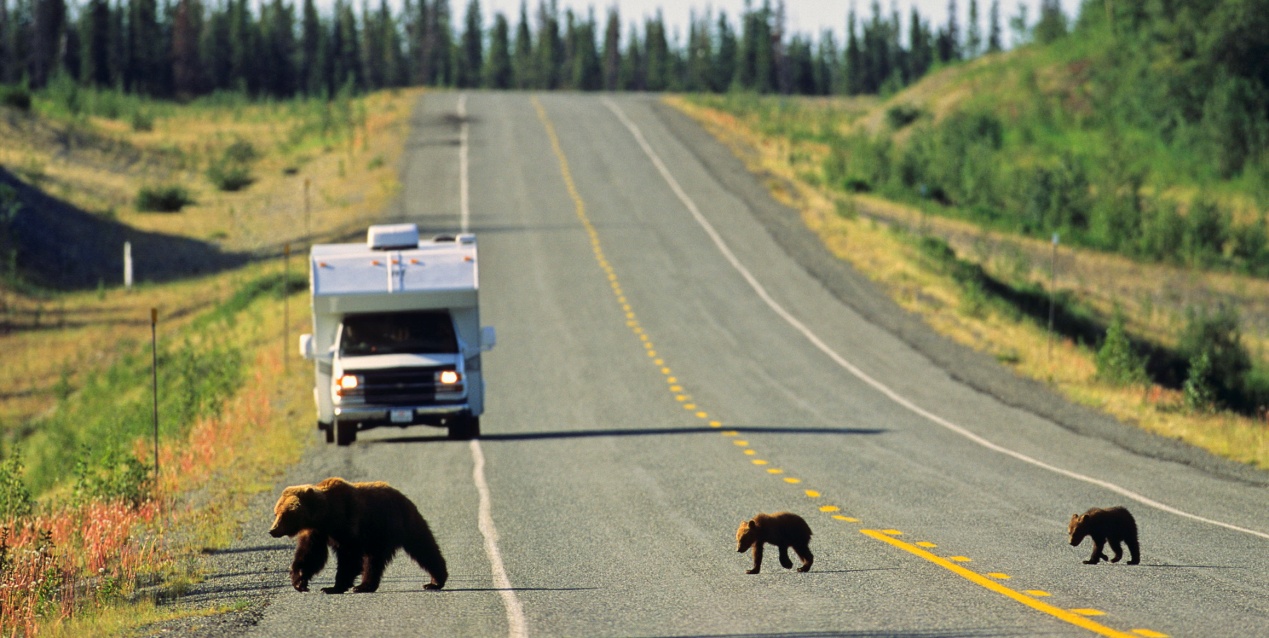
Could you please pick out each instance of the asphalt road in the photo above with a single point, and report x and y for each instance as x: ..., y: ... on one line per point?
x: 676, y: 355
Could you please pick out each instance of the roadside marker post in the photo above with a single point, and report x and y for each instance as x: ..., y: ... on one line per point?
x: 1052, y: 289
x: 286, y: 301
x: 154, y: 359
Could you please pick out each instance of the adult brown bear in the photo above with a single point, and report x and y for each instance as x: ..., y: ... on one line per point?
x: 365, y: 523
x: 782, y: 529
x: 1114, y: 525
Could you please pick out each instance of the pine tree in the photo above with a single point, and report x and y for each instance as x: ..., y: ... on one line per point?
x: 498, y: 72
x: 46, y: 39
x: 612, y: 49
x: 94, y: 37
x: 632, y: 76
x: 854, y: 84
x: 471, y: 59
x: 724, y: 65
x: 658, y: 54
x: 994, y: 41
x: 973, y: 33
x: 186, y: 63
x: 587, y: 71
x: 522, y: 62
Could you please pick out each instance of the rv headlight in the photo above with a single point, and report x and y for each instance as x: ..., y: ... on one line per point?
x: 448, y: 377
x: 346, y: 383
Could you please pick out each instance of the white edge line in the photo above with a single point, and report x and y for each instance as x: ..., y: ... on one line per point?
x: 877, y: 385
x: 517, y: 625
x: 463, y: 206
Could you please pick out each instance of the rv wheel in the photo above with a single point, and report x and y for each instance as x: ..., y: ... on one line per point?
x: 465, y: 428
x: 345, y: 432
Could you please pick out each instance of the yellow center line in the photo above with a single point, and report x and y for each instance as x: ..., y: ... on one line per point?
x: 1071, y: 617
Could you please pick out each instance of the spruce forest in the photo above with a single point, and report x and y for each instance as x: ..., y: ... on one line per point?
x: 279, y: 48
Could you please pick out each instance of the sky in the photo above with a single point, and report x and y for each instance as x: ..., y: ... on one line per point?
x: 804, y: 16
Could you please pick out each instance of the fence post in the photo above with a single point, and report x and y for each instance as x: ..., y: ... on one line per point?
x: 154, y: 354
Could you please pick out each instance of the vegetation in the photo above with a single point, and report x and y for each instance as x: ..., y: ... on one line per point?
x: 163, y: 198
x: 85, y: 519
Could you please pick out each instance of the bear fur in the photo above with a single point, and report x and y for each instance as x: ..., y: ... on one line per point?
x: 364, y: 523
x: 782, y: 529
x: 1113, y: 525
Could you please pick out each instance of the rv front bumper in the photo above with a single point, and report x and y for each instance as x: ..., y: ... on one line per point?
x: 371, y: 416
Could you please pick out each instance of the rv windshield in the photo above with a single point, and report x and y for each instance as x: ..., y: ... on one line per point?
x: 397, y: 333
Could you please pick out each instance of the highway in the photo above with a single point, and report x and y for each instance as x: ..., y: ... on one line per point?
x: 666, y: 368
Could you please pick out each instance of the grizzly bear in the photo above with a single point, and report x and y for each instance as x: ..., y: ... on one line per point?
x: 782, y: 529
x: 1114, y: 524
x: 365, y: 523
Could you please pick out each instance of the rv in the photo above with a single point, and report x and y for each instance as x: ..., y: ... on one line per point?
x: 396, y: 335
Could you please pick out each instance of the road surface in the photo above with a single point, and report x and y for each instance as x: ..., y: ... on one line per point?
x: 670, y: 363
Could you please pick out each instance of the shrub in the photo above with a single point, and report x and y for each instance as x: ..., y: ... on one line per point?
x: 902, y: 115
x: 163, y: 198
x: 1117, y: 362
x: 1217, y: 338
x: 1199, y: 390
x: 229, y: 176
x: 142, y: 121
x: 15, y: 498
x: 232, y: 170
x: 15, y: 97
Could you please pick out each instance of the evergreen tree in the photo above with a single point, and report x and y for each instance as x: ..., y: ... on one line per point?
x: 94, y: 37
x: 658, y: 54
x: 995, y: 42
x: 854, y: 84
x: 550, y: 47
x: 278, y: 36
x: 724, y: 65
x: 309, y: 69
x: 522, y: 62
x: 612, y: 49
x: 499, y: 72
x: 587, y: 71
x: 471, y: 59
x: 46, y: 39
x: 632, y: 77
x: 186, y: 63
x: 973, y: 33
x: 1052, y: 22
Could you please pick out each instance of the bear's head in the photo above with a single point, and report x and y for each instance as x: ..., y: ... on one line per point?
x: 1076, y: 529
x: 300, y: 507
x: 746, y: 535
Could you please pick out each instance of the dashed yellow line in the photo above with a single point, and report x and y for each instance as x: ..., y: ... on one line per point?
x: 1069, y: 616
x: 1077, y: 616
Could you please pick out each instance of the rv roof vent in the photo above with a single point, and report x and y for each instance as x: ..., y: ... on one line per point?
x: 393, y: 237
x: 443, y: 238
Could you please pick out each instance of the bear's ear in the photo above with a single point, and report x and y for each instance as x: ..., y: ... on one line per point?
x: 753, y: 522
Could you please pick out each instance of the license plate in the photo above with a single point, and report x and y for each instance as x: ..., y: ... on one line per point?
x: 401, y: 416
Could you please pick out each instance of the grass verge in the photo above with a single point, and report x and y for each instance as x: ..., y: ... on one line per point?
x: 89, y: 541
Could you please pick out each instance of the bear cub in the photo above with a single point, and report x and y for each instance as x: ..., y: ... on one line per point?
x: 782, y: 529
x: 364, y: 523
x: 1114, y: 525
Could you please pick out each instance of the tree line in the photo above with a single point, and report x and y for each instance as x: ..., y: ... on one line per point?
x: 278, y: 48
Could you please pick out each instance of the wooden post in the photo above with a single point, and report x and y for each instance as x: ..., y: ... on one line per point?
x: 154, y: 354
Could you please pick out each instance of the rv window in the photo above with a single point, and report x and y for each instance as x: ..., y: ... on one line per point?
x: 397, y: 333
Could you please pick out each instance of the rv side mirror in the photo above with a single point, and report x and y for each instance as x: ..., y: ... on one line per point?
x: 306, y: 346
x: 487, y: 338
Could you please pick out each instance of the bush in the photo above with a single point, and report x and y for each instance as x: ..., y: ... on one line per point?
x: 163, y: 198
x: 1117, y: 362
x: 1217, y: 338
x: 902, y: 115
x: 1199, y: 390
x: 15, y: 97
x: 232, y: 170
x: 15, y: 498
x: 229, y: 176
